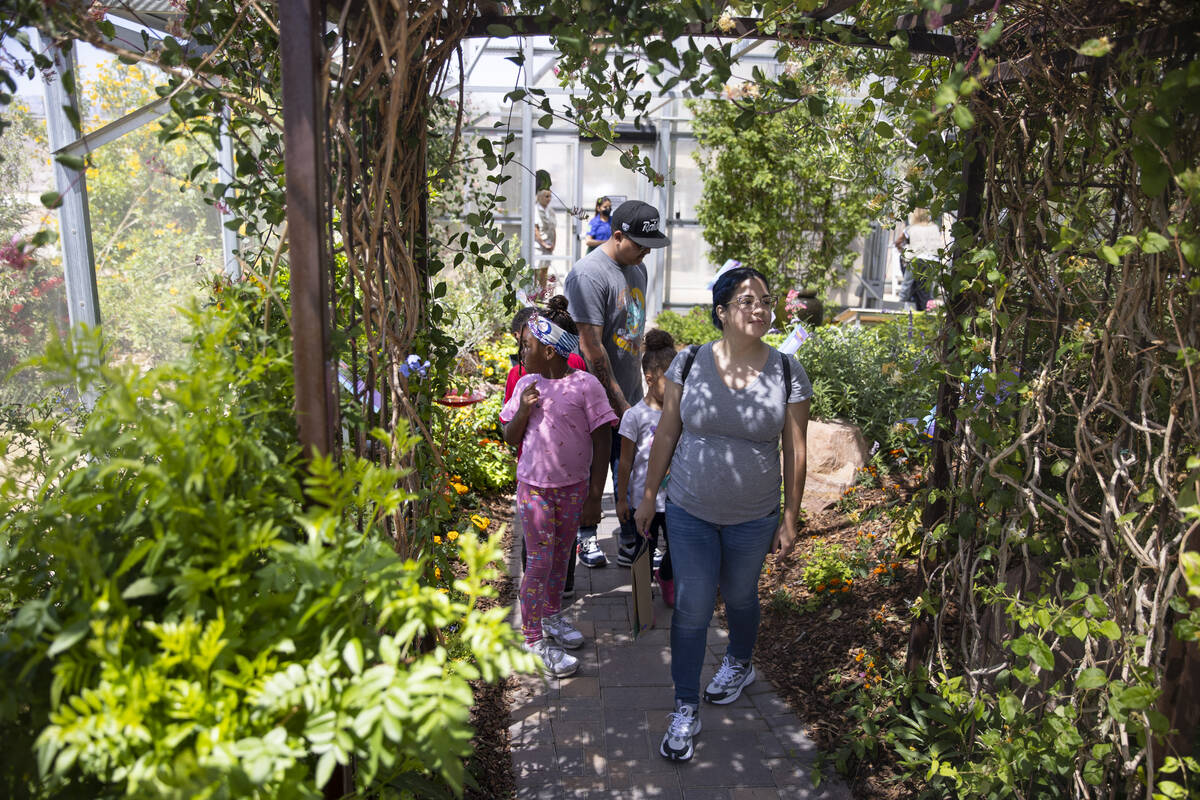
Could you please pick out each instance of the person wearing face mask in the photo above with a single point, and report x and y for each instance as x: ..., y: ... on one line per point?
x: 600, y: 228
x: 607, y: 291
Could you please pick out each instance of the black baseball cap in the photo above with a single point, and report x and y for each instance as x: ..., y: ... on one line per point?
x: 639, y: 221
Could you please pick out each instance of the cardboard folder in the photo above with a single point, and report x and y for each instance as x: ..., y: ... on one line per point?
x: 643, y: 608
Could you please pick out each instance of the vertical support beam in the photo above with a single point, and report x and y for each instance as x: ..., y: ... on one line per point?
x: 300, y: 24
x: 74, y: 222
x: 958, y: 305
x: 527, y: 185
x: 578, y: 226
x: 672, y: 128
x: 660, y: 199
x: 229, y: 238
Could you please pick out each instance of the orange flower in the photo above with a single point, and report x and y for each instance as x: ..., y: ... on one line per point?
x: 846, y: 588
x: 820, y: 587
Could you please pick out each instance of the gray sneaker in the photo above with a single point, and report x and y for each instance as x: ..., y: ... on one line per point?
x: 561, y: 631
x: 555, y: 661
x: 683, y: 724
x: 732, y: 676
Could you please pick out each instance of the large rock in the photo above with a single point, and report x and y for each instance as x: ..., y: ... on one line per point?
x: 836, y: 451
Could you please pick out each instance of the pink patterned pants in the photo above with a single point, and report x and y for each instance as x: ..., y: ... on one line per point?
x: 549, y: 521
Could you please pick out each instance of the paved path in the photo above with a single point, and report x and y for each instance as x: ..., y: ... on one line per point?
x: 596, y: 734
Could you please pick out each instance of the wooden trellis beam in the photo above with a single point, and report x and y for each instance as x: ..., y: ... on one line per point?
x: 921, y: 42
x: 1151, y: 43
x: 954, y: 12
x: 300, y: 24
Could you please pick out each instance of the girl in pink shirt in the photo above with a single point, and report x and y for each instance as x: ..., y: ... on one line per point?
x: 560, y: 417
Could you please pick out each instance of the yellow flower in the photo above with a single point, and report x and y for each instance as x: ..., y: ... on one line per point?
x: 452, y: 535
x: 460, y: 488
x: 480, y: 522
x: 437, y: 539
x: 442, y: 590
x: 437, y: 572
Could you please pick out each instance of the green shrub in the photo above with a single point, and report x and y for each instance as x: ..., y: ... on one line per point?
x: 195, y: 611
x: 693, y: 328
x: 473, y: 445
x: 873, y: 376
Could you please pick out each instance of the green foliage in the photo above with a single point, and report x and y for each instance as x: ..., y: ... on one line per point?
x: 788, y: 192
x: 873, y: 376
x: 827, y: 572
x: 695, y: 327
x: 473, y: 446
x: 235, y: 621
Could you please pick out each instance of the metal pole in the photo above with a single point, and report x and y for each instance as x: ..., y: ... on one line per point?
x: 527, y: 198
x: 229, y: 237
x: 74, y: 223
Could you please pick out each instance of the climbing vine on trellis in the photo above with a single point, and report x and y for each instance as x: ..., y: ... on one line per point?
x: 1055, y: 603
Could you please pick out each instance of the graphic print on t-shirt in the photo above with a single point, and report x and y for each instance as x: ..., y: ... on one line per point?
x: 629, y: 337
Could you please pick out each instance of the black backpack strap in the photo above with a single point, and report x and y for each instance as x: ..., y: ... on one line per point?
x: 787, y: 378
x: 687, y: 364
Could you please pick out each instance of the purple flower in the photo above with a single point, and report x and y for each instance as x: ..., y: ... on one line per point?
x: 414, y: 364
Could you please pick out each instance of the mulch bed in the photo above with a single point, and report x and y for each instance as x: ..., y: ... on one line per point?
x: 491, y: 762
x: 805, y: 652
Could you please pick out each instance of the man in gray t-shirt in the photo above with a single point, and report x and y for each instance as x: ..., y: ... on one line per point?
x: 606, y: 291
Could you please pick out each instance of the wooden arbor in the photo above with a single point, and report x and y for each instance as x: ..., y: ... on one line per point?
x: 1013, y: 189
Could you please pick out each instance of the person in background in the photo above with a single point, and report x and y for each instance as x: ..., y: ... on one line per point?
x: 919, y: 244
x: 544, y: 234
x: 637, y: 435
x: 720, y: 435
x: 519, y: 322
x: 607, y: 290
x: 600, y: 228
x: 560, y: 417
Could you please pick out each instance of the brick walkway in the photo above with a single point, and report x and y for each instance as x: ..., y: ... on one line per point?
x: 596, y: 734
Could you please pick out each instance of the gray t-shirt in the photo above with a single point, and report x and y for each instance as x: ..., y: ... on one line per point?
x: 602, y: 292
x: 638, y: 426
x: 726, y: 468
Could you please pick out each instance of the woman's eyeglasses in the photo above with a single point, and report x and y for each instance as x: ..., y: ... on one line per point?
x: 747, y: 301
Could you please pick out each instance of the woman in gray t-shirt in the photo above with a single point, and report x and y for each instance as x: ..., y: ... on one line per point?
x: 720, y: 434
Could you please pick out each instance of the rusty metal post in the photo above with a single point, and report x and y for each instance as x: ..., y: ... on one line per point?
x: 301, y: 24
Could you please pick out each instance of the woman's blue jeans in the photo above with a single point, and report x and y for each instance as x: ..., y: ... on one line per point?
x: 707, y: 557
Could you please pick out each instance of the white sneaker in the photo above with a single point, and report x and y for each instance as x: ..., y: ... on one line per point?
x: 555, y: 661
x: 590, y: 554
x: 732, y: 676
x: 677, y: 741
x: 557, y: 627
